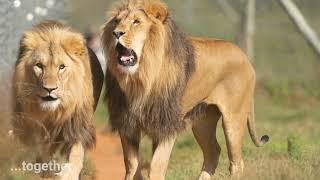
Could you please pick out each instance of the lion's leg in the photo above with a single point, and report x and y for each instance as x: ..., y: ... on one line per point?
x: 204, y: 130
x: 234, y: 126
x: 43, y: 157
x: 75, y: 163
x: 131, y: 156
x: 160, y: 159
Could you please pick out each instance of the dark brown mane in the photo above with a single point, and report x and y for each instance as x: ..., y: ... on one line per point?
x: 179, y: 47
x: 57, y: 136
x: 77, y: 129
x: 160, y: 115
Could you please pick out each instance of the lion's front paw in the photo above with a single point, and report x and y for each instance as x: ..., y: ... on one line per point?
x: 204, y: 176
x: 68, y: 174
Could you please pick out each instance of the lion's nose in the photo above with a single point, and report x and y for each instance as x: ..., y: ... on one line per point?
x: 118, y: 34
x: 50, y: 89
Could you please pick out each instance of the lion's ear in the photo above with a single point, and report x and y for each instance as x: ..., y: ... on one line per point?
x: 75, y: 46
x: 22, y: 48
x: 158, y: 10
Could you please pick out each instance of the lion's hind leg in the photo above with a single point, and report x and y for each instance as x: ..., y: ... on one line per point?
x: 234, y: 126
x: 204, y: 130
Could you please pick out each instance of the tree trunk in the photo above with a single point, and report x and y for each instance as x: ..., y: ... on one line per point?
x: 296, y: 16
x: 189, y: 13
x: 249, y: 28
x: 229, y: 11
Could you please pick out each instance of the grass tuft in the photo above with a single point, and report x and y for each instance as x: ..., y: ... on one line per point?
x: 295, y: 147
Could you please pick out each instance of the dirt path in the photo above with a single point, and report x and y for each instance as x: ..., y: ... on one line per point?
x: 107, y: 157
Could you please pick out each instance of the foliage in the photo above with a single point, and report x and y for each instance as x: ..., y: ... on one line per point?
x: 295, y: 147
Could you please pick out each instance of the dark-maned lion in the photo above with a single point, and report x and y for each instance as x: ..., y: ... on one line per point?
x: 56, y: 86
x: 159, y: 82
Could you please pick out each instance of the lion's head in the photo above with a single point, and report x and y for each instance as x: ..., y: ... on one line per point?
x: 145, y: 48
x: 53, y: 71
x: 134, y: 29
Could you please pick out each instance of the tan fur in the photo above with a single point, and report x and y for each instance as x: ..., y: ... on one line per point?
x: 43, y: 50
x: 203, y: 78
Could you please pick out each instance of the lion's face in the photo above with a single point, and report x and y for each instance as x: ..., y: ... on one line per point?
x: 51, y: 71
x: 129, y: 35
x: 129, y: 30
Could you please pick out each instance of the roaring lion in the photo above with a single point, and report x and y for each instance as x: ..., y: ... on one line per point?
x: 159, y: 82
x: 56, y: 87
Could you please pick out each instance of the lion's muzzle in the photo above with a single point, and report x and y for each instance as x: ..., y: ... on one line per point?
x: 48, y: 99
x: 126, y: 57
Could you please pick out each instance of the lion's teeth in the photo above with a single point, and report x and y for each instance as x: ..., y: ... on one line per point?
x: 125, y: 58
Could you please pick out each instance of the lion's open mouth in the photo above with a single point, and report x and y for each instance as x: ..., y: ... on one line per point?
x: 126, y: 57
x: 49, y: 98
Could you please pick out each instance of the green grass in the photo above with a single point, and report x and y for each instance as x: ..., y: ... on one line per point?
x: 101, y: 114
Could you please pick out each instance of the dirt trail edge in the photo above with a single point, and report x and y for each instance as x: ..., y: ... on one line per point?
x: 107, y: 157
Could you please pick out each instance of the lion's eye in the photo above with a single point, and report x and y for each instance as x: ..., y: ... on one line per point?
x: 116, y: 21
x: 136, y: 22
x: 39, y: 65
x: 62, y: 66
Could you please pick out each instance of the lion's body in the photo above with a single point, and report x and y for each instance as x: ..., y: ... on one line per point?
x: 56, y: 86
x: 223, y: 75
x: 176, y: 82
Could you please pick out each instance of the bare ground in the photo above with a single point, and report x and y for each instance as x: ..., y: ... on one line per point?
x: 107, y: 157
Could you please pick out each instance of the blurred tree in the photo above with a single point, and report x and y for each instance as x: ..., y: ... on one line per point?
x: 189, y: 12
x: 301, y: 23
x: 86, y: 14
x: 229, y: 11
x: 250, y: 28
x: 245, y: 37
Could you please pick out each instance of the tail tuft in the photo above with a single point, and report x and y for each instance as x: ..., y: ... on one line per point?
x: 264, y: 139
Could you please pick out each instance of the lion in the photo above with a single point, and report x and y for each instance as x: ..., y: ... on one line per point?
x: 161, y: 82
x: 56, y: 86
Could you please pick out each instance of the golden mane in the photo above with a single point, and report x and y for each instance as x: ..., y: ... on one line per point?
x: 73, y: 120
x: 150, y: 99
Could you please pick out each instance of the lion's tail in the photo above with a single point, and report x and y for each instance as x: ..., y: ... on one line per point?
x: 252, y: 130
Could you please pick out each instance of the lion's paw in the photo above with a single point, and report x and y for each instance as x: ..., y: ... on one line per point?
x: 68, y: 174
x: 204, y: 176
